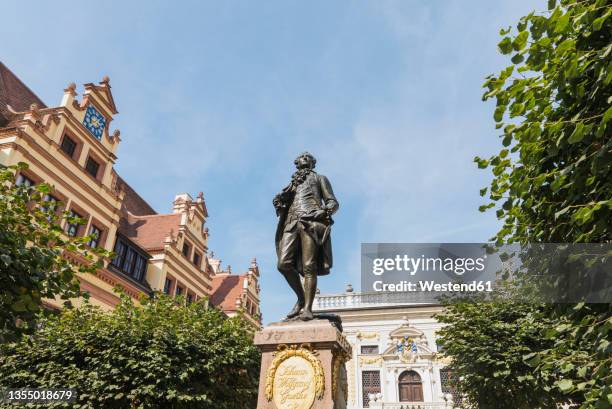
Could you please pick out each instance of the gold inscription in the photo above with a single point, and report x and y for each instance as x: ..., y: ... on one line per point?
x: 294, y: 386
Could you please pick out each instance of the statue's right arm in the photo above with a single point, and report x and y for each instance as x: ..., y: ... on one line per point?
x: 331, y: 203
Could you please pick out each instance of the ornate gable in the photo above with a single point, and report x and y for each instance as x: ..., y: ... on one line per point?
x: 407, y: 344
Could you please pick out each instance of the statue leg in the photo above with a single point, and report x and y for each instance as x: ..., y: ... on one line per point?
x: 309, y: 263
x: 288, y: 247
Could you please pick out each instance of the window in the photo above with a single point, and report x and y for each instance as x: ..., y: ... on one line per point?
x: 197, y: 258
x: 95, y: 234
x: 24, y: 180
x: 140, y: 268
x: 92, y: 167
x: 369, y: 349
x: 50, y: 205
x: 410, y: 387
x: 186, y: 249
x: 167, y: 286
x: 370, y: 384
x: 129, y: 261
x: 72, y: 229
x: 68, y: 146
x: 179, y: 290
x: 448, y: 386
x: 120, y: 249
x: 189, y: 298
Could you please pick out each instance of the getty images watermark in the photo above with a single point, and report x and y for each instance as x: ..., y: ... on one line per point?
x: 542, y: 272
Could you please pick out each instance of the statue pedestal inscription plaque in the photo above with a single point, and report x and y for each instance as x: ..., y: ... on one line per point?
x: 302, y: 366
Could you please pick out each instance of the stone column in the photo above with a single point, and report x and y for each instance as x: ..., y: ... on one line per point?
x: 302, y: 365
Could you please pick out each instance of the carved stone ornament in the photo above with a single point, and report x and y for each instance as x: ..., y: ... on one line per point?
x: 295, y: 377
x: 339, y: 376
x: 367, y: 335
x: 376, y: 360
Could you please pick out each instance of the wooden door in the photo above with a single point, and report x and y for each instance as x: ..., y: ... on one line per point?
x: 410, y: 387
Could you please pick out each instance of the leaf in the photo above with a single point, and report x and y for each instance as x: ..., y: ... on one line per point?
x: 565, y: 46
x: 598, y: 22
x: 498, y: 115
x: 505, y: 45
x: 520, y: 41
x: 607, y: 115
x: 565, y: 385
x: 562, y: 23
x: 578, y: 133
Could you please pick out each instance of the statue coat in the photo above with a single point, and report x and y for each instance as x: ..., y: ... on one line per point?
x: 320, y: 230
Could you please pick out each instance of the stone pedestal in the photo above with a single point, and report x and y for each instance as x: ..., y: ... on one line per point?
x: 302, y: 365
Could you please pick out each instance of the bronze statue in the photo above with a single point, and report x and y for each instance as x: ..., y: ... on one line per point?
x: 303, y: 242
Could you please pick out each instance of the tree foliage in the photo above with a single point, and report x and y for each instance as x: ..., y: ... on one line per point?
x: 162, y: 354
x: 553, y: 179
x: 32, y: 249
x: 552, y: 182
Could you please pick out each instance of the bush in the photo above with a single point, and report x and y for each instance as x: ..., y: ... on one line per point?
x: 162, y: 354
x: 33, y: 265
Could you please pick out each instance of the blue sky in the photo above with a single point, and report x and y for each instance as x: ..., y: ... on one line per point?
x: 221, y: 96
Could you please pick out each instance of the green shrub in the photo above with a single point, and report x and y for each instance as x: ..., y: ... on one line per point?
x: 162, y: 354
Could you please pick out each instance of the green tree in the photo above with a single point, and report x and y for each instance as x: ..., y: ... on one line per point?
x: 161, y: 354
x: 32, y: 249
x: 552, y: 183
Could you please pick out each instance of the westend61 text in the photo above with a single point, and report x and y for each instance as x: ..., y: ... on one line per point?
x: 432, y: 286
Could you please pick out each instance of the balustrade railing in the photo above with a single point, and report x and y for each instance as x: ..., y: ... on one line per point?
x: 363, y: 300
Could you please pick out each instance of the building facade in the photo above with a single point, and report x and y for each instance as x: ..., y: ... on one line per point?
x: 396, y: 363
x: 72, y: 148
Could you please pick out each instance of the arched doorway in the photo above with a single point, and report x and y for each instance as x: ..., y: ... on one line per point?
x: 410, y: 387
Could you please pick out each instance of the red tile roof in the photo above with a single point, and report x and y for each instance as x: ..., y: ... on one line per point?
x: 15, y: 93
x: 150, y: 231
x: 226, y: 288
x: 133, y: 202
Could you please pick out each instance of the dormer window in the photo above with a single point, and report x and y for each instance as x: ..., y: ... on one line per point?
x: 92, y: 167
x: 129, y: 260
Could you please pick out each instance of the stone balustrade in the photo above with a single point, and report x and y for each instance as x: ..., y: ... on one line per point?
x: 352, y: 300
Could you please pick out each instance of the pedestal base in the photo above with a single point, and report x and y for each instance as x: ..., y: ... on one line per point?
x: 302, y: 366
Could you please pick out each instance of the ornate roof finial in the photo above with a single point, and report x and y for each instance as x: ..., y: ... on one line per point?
x: 34, y: 107
x: 229, y: 269
x: 105, y: 80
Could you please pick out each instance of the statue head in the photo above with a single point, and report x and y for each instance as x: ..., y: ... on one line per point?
x: 305, y: 161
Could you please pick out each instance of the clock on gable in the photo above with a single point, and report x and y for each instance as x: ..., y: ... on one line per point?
x: 94, y: 121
